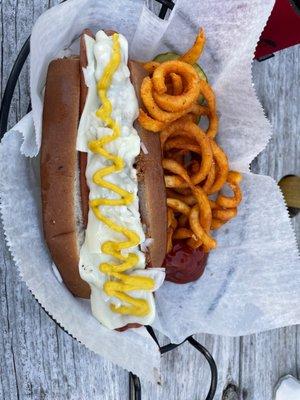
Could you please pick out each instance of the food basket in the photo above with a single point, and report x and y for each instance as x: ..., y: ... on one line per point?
x: 134, y: 382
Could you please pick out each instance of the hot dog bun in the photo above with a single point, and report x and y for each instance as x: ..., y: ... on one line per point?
x: 65, y: 192
x: 84, y: 190
x: 152, y: 192
x: 59, y: 171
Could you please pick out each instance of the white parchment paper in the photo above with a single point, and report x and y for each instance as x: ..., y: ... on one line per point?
x: 252, y: 280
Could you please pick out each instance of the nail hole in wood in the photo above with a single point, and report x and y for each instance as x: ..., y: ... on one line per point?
x: 231, y: 392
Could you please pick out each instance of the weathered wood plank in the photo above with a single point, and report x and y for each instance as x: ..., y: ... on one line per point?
x: 264, y: 359
x: 40, y: 361
x: 267, y: 356
x: 277, y: 85
x: 186, y: 374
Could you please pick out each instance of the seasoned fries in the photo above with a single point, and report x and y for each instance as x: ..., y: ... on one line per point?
x: 196, y: 168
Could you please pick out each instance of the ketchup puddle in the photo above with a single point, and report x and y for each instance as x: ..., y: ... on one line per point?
x: 184, y: 264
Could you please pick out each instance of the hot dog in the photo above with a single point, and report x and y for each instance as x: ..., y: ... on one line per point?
x: 116, y: 134
x: 121, y: 297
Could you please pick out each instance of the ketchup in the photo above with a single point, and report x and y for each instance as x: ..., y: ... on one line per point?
x: 184, y: 264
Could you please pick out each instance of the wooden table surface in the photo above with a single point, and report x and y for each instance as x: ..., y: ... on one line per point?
x: 40, y: 361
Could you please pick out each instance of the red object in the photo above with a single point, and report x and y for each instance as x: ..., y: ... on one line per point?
x: 282, y: 29
x: 184, y: 264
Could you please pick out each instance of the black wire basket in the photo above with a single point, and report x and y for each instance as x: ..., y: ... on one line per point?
x: 135, y: 392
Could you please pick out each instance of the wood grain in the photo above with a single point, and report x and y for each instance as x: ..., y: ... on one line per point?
x: 38, y: 360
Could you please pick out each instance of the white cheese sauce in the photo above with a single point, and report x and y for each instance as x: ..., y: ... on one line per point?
x: 125, y: 110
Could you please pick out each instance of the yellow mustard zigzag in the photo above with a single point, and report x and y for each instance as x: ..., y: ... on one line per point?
x: 122, y: 282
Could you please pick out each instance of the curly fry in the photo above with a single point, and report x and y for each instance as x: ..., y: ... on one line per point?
x: 204, y: 149
x: 233, y: 180
x: 183, y: 191
x: 209, y: 96
x: 199, y: 110
x: 150, y: 66
x: 187, y: 199
x: 177, y: 84
x: 222, y: 168
x: 234, y: 177
x: 217, y: 223
x: 224, y: 214
x: 170, y: 233
x: 180, y: 102
x: 172, y: 224
x: 195, y: 166
x: 183, y: 233
x: 149, y: 123
x: 152, y: 108
x: 178, y: 206
x: 230, y: 202
x: 210, y: 178
x: 200, y: 195
x: 201, y: 234
x: 194, y: 243
x: 180, y: 143
x: 194, y: 53
x: 204, y: 208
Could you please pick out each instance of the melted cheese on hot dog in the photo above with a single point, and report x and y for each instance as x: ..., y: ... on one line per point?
x: 110, y: 259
